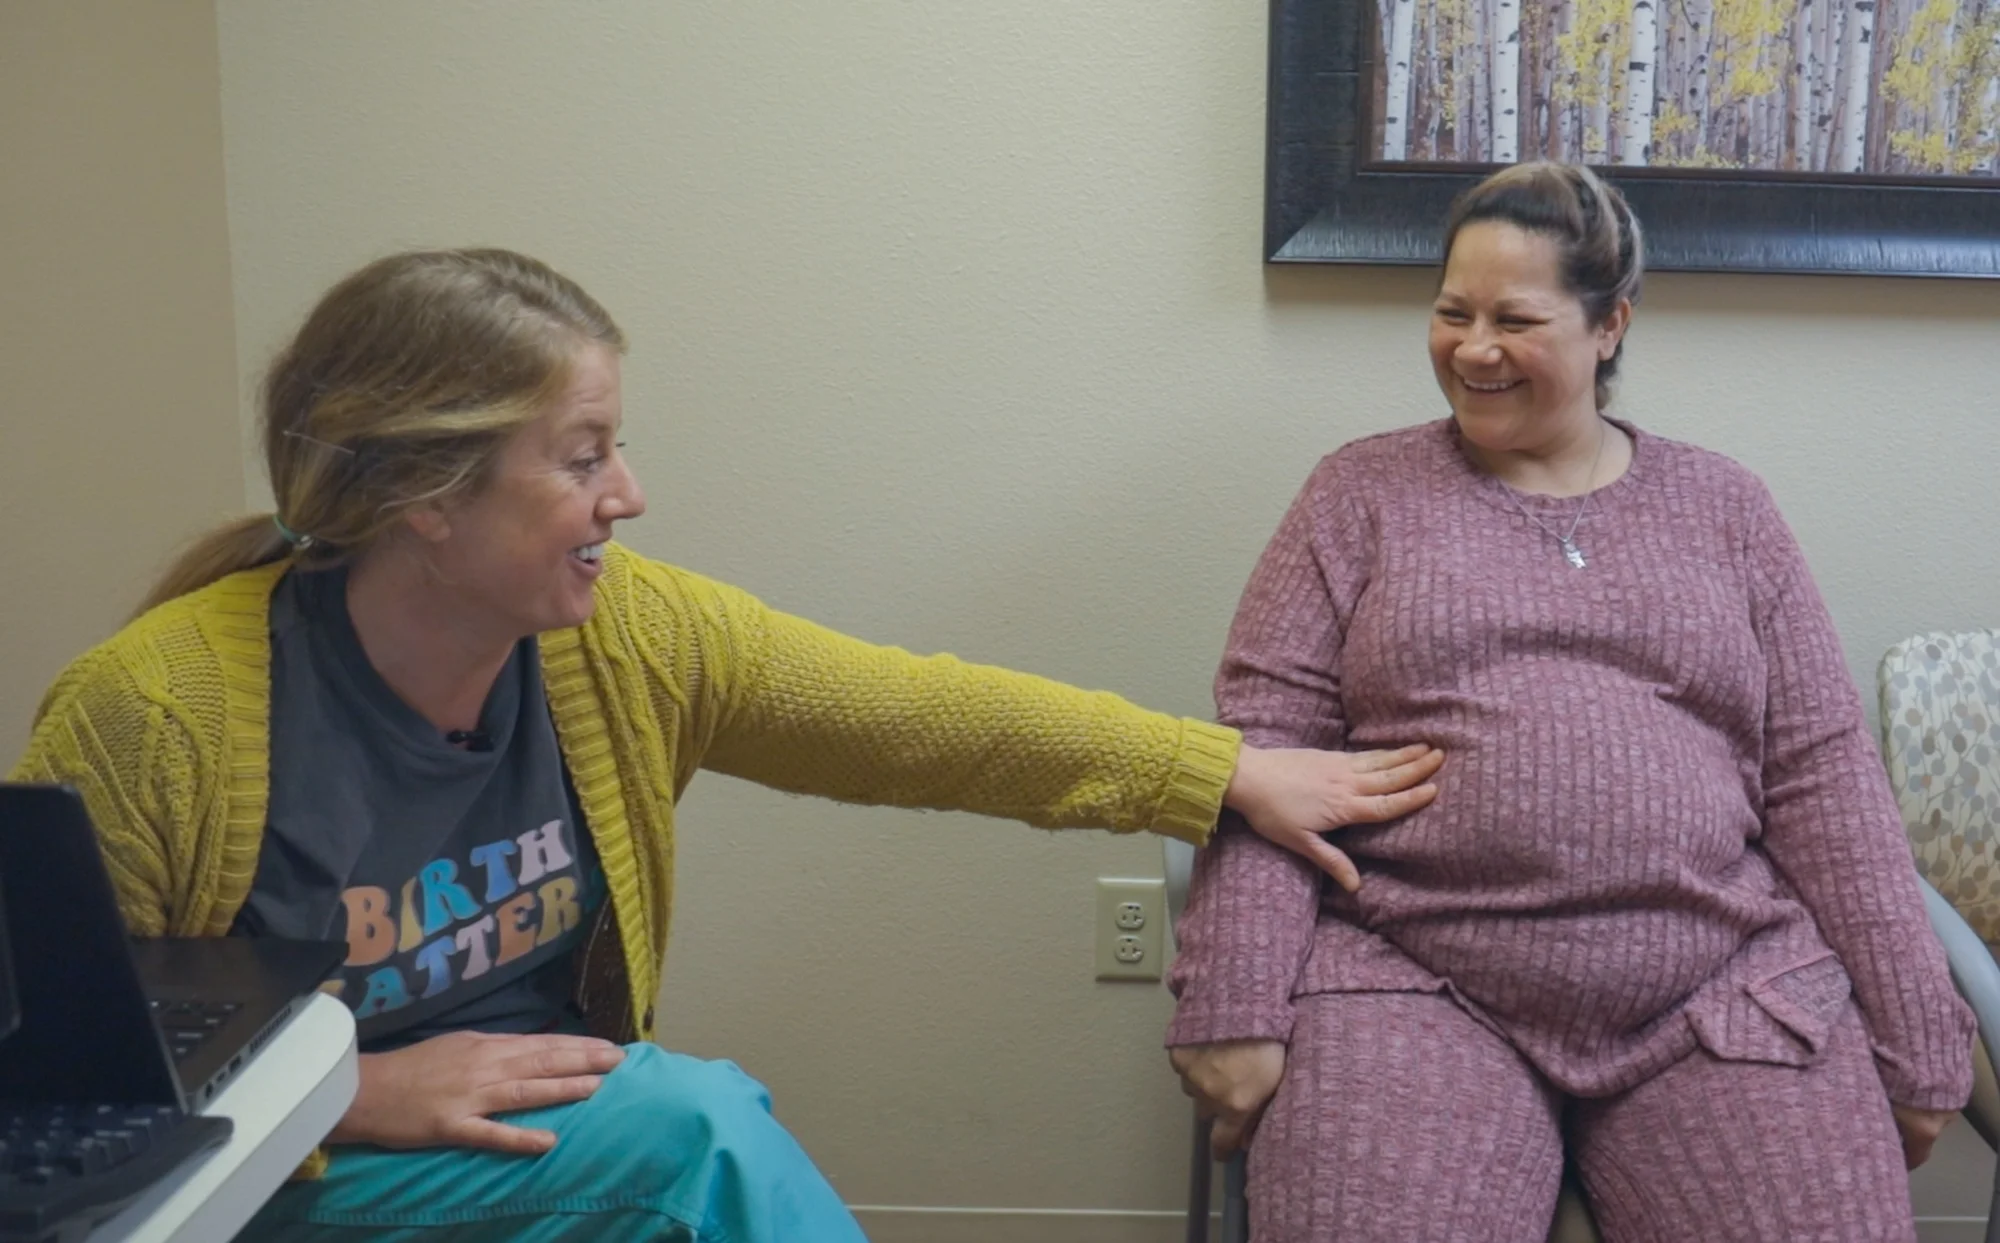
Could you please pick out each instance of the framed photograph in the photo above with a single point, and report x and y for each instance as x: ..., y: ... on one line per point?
x: 1835, y: 136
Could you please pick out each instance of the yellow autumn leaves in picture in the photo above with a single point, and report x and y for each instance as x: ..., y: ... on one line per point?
x: 1904, y: 88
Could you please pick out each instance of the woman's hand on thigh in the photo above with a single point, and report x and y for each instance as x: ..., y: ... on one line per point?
x: 1231, y: 1081
x: 1920, y: 1129
x: 442, y: 1092
x: 1293, y: 796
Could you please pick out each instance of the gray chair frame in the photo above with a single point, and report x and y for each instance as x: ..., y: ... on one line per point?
x: 1201, y: 1165
x: 1977, y: 976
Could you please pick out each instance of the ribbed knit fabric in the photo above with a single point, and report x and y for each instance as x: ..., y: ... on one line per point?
x: 1741, y: 1152
x: 1660, y: 805
x: 1401, y: 1120
x: 165, y: 730
x: 1401, y: 1117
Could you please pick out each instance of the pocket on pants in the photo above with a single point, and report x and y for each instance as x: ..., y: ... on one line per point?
x: 1782, y: 1018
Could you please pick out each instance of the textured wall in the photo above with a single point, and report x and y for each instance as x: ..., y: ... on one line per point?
x: 118, y: 405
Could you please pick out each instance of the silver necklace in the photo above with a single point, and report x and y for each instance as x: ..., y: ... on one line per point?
x: 1567, y: 539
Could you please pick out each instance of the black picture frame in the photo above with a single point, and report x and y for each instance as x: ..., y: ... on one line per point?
x: 1323, y: 203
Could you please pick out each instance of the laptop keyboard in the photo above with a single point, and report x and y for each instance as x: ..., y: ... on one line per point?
x: 44, y: 1143
x: 187, y: 1024
x: 63, y: 1167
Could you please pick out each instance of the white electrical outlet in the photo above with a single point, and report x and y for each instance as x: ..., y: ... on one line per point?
x: 1131, y: 927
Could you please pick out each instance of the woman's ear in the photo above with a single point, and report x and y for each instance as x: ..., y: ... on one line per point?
x: 428, y: 523
x: 1612, y: 330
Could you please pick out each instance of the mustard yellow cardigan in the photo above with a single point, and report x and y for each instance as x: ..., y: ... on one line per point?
x: 165, y: 729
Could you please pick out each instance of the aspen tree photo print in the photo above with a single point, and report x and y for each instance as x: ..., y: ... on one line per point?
x: 1836, y: 136
x: 1889, y: 88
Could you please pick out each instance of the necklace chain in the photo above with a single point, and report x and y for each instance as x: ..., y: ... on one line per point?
x: 1567, y: 539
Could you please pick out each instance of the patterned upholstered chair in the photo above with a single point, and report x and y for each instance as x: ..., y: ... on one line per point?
x: 1941, y: 739
x: 1572, y: 1223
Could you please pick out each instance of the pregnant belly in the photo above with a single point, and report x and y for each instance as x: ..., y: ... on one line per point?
x: 1610, y: 972
x: 1567, y: 809
x: 1567, y: 870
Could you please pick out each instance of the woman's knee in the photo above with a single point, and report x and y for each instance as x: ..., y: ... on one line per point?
x: 1724, y: 1150
x: 710, y: 1104
x: 1401, y: 1117
x: 702, y: 1133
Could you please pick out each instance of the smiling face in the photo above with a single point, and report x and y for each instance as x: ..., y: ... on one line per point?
x: 1509, y: 343
x: 525, y: 549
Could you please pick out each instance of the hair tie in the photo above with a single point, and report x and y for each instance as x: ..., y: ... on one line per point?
x: 302, y: 438
x: 300, y: 542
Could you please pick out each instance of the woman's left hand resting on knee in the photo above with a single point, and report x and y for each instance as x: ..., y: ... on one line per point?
x: 442, y: 1092
x: 1920, y: 1129
x: 1231, y: 1081
x: 1292, y: 796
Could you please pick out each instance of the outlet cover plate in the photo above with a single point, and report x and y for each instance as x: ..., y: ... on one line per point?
x: 1115, y: 936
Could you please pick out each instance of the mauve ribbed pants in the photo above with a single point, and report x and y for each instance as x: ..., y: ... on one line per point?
x: 1403, y: 1120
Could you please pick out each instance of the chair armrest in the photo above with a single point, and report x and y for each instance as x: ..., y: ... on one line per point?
x: 1977, y: 976
x: 1179, y: 870
x: 1973, y: 968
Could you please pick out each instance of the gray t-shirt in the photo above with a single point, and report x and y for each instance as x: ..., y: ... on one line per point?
x: 462, y: 881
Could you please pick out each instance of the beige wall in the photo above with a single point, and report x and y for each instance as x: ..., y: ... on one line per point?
x: 118, y: 431
x: 949, y: 329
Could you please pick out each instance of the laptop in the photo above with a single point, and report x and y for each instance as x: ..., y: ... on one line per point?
x: 119, y: 1043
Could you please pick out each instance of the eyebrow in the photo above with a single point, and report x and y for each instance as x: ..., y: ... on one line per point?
x: 593, y: 424
x: 1506, y: 306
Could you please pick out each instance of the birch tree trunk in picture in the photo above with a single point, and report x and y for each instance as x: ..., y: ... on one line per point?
x: 1989, y: 124
x: 1554, y: 111
x: 1663, y: 15
x: 1477, y: 103
x: 1396, y: 110
x: 1756, y: 121
x: 1857, y: 57
x: 1426, y: 64
x: 1804, y: 92
x: 1778, y: 123
x: 1600, y: 144
x: 1679, y: 81
x: 1531, y: 122
x: 1461, y: 148
x: 1506, y: 73
x: 1881, y: 117
x: 1701, y: 34
x: 1635, y: 139
x: 1944, y: 105
x: 1385, y: 16
x: 1569, y: 113
x: 1832, y: 29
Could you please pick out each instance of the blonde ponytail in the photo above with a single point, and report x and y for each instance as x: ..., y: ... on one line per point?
x: 241, y: 544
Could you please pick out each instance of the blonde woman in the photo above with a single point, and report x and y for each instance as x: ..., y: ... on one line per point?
x: 429, y: 706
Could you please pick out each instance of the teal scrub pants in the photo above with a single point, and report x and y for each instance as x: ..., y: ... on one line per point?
x: 668, y: 1150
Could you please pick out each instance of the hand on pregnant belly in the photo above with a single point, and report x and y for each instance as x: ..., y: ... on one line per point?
x: 1293, y: 796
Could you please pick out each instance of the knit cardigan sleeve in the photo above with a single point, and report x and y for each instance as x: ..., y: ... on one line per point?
x: 129, y: 759
x: 1247, y: 929
x: 1832, y: 828
x: 798, y: 707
